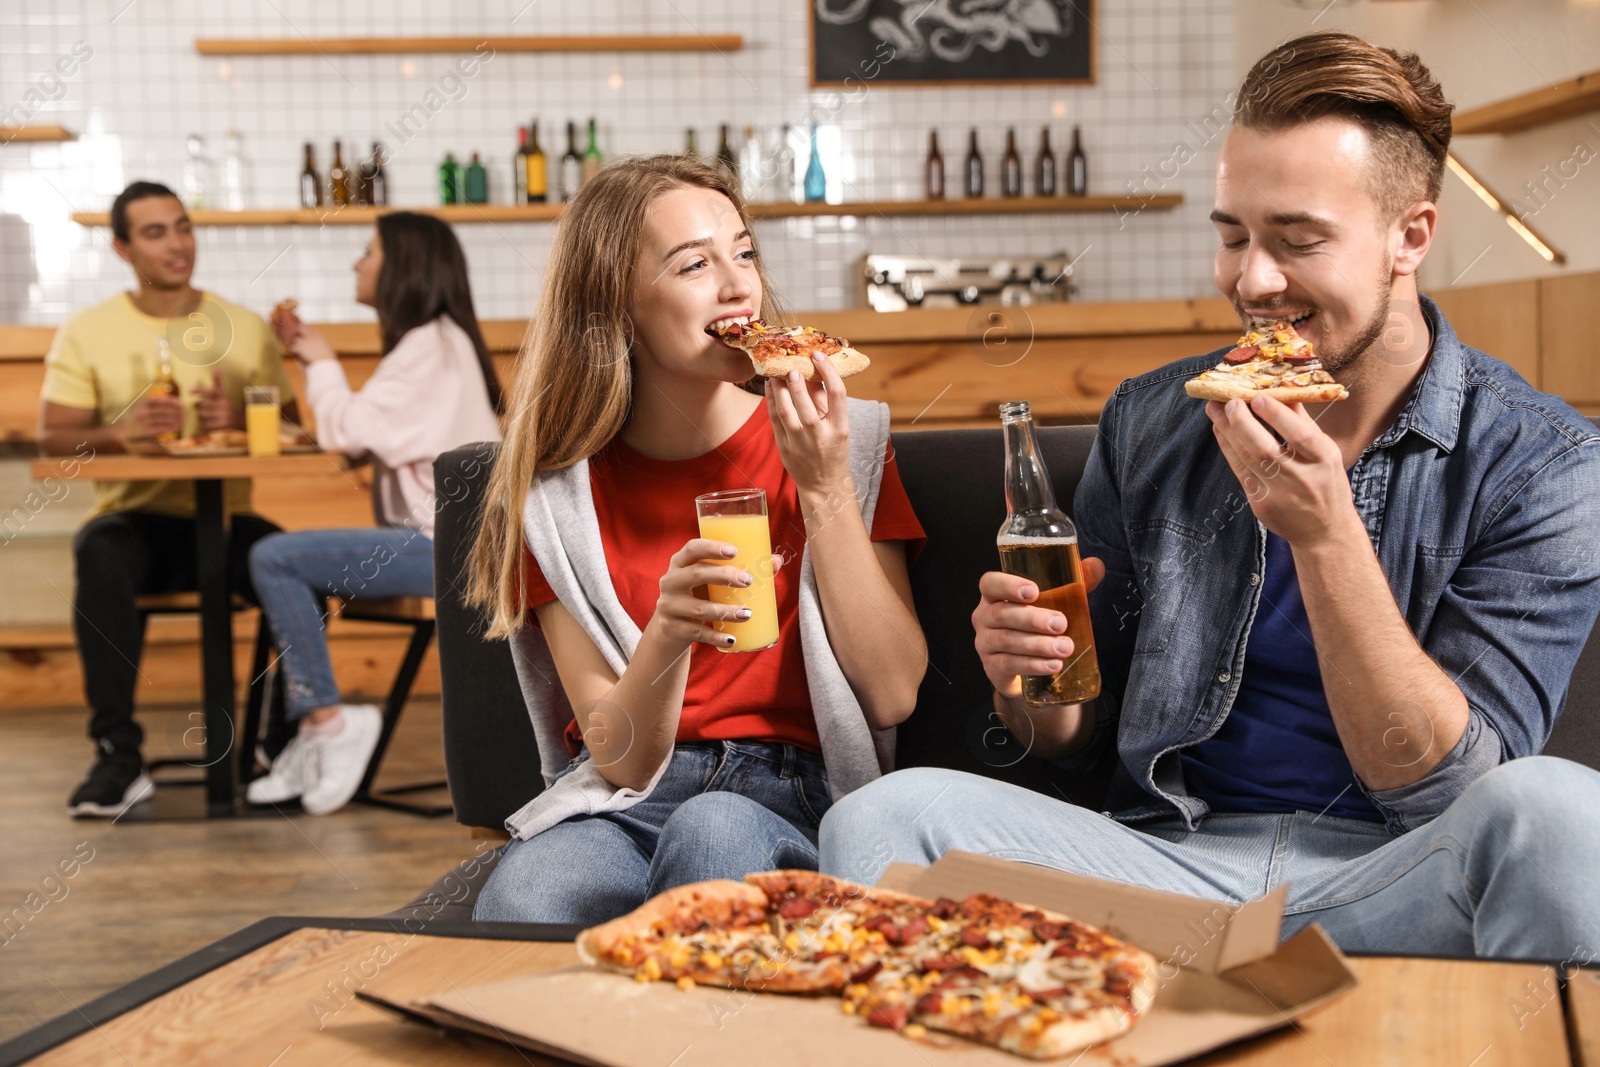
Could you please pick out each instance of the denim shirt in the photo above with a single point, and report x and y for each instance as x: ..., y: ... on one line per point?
x: 1482, y: 501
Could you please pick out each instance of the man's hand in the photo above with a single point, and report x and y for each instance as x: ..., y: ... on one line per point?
x: 152, y: 416
x: 216, y: 409
x: 1299, y: 489
x: 1015, y: 638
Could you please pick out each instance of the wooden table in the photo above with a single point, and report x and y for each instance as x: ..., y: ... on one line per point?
x: 211, y: 564
x: 281, y: 993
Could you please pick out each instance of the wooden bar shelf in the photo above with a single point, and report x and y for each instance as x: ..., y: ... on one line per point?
x: 350, y: 46
x: 1537, y: 108
x: 10, y: 134
x: 472, y: 213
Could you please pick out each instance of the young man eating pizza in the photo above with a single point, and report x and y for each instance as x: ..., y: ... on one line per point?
x: 1334, y: 637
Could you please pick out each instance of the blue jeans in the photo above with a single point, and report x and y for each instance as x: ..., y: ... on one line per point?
x: 1508, y: 870
x: 293, y: 572
x: 721, y: 810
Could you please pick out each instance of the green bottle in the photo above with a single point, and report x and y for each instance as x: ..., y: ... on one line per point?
x: 449, y: 180
x: 477, y: 182
x: 591, y: 155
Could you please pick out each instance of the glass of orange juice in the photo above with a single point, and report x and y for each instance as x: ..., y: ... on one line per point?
x: 739, y: 517
x: 261, y: 419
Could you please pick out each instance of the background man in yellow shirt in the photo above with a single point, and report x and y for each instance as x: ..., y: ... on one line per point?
x: 140, y: 536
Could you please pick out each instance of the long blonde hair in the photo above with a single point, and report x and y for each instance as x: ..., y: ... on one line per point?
x: 573, y: 390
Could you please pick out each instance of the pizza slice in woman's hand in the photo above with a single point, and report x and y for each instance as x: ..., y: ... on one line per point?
x: 1271, y: 360
x: 776, y: 350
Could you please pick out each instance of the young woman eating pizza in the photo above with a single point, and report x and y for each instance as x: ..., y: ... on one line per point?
x: 664, y: 760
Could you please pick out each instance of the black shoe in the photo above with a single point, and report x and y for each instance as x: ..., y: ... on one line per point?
x: 116, y: 782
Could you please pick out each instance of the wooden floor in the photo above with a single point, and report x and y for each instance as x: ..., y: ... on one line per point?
x: 154, y: 892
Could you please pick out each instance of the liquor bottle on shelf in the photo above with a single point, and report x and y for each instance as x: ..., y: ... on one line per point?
x: 1077, y: 167
x: 310, y: 183
x: 338, y: 178
x: 974, y: 173
x: 378, y: 182
x: 689, y: 148
x: 449, y: 180
x: 592, y: 160
x: 519, y: 168
x: 816, y: 180
x: 233, y: 173
x: 197, y: 174
x: 477, y: 185
x: 1011, y: 167
x: 725, y: 157
x: 571, y: 165
x: 933, y: 169
x: 538, y: 168
x: 1044, y: 170
x: 165, y: 383
x: 750, y: 166
x: 1038, y: 542
x: 780, y: 168
x: 361, y: 183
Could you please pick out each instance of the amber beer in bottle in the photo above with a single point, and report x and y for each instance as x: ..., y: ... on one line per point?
x: 1038, y: 542
x: 165, y: 384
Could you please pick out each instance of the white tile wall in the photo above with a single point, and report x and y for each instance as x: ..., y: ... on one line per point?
x: 1163, y: 65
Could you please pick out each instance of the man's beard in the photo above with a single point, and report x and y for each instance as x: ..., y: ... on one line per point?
x: 1344, y: 357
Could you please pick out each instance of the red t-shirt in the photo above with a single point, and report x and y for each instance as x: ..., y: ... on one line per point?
x: 646, y: 512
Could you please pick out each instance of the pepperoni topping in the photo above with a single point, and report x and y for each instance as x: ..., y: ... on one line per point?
x: 798, y: 908
x: 1047, y: 931
x: 943, y: 963
x: 911, y: 930
x: 865, y: 974
x: 964, y: 975
x: 944, y: 908
x: 929, y: 1004
x: 975, y: 937
x: 888, y: 1016
x: 1243, y: 355
x: 1067, y: 949
x: 1301, y: 356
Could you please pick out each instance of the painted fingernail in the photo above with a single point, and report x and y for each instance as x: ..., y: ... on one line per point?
x: 744, y: 613
x: 794, y: 376
x: 746, y: 579
x: 729, y: 640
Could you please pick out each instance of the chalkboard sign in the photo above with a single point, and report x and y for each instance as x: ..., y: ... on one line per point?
x: 857, y: 43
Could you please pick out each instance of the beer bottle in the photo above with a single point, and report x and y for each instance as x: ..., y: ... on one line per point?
x: 1011, y: 167
x: 571, y: 165
x: 519, y: 168
x: 933, y: 169
x: 450, y: 180
x: 338, y: 177
x: 592, y: 159
x: 538, y: 168
x: 1038, y: 542
x: 974, y: 167
x: 725, y: 157
x: 1077, y: 167
x: 166, y: 384
x: 310, y: 184
x: 1044, y: 174
x: 378, y: 185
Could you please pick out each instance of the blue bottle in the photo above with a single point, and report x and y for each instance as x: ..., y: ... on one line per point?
x: 816, y: 181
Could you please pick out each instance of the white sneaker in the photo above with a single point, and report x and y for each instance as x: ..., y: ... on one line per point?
x: 285, y: 779
x: 334, y: 766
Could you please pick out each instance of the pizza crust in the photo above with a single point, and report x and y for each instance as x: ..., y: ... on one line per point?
x: 722, y: 903
x: 846, y: 361
x: 1213, y: 389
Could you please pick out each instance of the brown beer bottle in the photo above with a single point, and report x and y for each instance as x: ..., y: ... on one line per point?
x: 338, y: 177
x: 1038, y: 542
x: 310, y: 184
x: 1011, y: 167
x: 165, y: 384
x: 934, y: 169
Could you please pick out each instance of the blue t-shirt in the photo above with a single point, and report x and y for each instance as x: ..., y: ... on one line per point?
x: 1277, y: 750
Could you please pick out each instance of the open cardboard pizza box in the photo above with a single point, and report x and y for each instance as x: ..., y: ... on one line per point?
x: 1223, y: 975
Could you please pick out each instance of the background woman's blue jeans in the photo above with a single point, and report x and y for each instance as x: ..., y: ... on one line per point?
x: 294, y: 572
x: 721, y: 810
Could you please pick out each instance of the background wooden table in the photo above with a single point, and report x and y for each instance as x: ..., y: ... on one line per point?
x: 292, y: 1001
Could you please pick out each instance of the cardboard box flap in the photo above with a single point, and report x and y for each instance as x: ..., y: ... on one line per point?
x: 1205, y: 935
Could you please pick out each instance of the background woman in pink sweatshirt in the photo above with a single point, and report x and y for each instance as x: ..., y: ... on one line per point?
x: 434, y: 390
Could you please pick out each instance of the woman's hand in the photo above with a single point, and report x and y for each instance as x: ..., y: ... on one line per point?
x: 309, y: 346
x: 812, y: 426
x: 682, y: 613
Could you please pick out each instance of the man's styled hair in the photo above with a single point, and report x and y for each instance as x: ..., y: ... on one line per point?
x: 1389, y: 94
x: 136, y: 191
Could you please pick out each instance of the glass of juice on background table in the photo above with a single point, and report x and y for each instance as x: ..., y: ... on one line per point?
x: 261, y: 419
x: 739, y: 517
